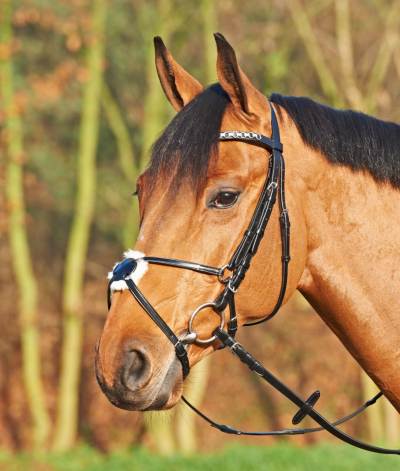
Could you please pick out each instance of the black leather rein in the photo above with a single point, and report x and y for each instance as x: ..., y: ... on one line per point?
x: 238, y: 265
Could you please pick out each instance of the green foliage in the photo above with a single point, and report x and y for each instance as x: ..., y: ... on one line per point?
x: 277, y: 458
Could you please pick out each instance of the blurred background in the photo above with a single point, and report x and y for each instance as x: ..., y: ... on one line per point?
x: 80, y: 105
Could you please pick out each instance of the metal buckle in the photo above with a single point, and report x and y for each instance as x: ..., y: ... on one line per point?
x: 233, y: 319
x: 272, y: 185
x: 232, y: 348
x: 231, y: 288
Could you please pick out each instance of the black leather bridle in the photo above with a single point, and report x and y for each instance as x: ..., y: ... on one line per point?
x: 238, y: 265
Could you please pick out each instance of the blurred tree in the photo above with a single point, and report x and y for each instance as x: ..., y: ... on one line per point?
x: 68, y: 401
x: 18, y: 237
x: 196, y: 388
x: 210, y: 26
x: 158, y: 20
x: 392, y: 424
x: 185, y: 419
x: 302, y: 22
x: 345, y: 53
x: 126, y: 161
x: 376, y: 427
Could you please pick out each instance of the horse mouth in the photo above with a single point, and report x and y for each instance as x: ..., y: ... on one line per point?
x: 153, y: 397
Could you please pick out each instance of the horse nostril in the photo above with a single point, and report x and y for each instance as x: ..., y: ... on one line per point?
x: 136, y: 370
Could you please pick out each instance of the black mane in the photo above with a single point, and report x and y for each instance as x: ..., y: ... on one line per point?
x: 189, y: 145
x: 347, y: 137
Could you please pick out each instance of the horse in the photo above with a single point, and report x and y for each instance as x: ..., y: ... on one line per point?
x: 196, y: 199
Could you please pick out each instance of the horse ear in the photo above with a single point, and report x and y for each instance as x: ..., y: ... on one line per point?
x: 179, y: 86
x: 234, y: 81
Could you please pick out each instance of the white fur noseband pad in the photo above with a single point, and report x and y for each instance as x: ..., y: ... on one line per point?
x: 135, y: 276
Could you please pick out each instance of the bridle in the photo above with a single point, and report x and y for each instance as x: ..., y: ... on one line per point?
x: 238, y: 266
x: 240, y: 261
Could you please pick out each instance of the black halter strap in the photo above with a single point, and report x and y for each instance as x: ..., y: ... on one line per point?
x: 241, y: 259
x: 238, y: 265
x: 122, y: 272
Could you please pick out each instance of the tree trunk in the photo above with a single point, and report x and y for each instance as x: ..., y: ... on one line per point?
x: 346, y: 56
x: 302, y: 22
x: 126, y: 161
x: 210, y: 26
x: 195, y: 391
x: 392, y: 424
x: 18, y: 237
x: 376, y: 429
x: 67, y: 413
x: 155, y: 103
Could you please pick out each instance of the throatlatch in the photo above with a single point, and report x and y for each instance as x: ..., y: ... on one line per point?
x: 238, y: 266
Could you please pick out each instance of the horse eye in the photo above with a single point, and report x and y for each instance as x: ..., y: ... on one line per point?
x: 226, y: 199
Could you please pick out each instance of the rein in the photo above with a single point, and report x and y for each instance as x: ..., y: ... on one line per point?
x: 238, y: 266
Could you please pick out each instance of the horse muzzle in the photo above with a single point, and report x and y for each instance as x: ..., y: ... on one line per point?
x: 134, y: 383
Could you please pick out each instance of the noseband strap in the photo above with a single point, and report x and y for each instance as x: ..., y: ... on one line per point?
x: 239, y: 264
x: 122, y: 272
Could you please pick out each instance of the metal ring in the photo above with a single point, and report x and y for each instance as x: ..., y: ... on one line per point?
x: 221, y: 275
x: 202, y: 306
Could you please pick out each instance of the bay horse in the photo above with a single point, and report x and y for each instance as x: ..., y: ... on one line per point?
x: 196, y: 200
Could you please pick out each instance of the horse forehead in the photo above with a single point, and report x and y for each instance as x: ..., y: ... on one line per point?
x: 234, y: 120
x: 237, y: 158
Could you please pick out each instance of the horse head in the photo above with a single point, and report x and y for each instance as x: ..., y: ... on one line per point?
x: 196, y: 201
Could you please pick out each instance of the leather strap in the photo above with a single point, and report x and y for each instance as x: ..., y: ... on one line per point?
x: 293, y: 431
x: 241, y: 259
x: 121, y: 272
x: 285, y: 237
x: 170, y: 262
x: 305, y: 406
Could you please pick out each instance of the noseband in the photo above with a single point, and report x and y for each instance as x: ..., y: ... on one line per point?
x: 237, y: 266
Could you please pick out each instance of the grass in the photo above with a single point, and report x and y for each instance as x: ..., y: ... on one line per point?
x: 241, y: 458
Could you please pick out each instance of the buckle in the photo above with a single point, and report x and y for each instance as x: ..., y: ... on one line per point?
x: 232, y: 348
x: 230, y: 287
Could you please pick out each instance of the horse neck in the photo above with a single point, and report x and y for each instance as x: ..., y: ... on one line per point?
x: 352, y: 261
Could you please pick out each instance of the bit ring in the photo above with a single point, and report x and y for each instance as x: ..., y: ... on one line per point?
x: 202, y: 306
x: 221, y: 275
